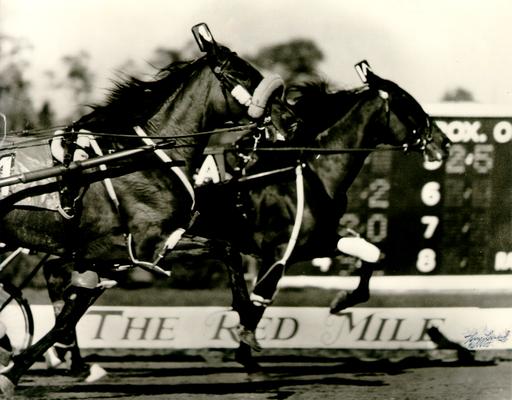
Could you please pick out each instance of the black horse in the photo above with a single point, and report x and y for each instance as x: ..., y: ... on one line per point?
x: 147, y: 203
x: 292, y: 198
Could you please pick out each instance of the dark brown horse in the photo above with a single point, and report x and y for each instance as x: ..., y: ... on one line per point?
x: 317, y: 172
x: 257, y: 213
x: 152, y: 201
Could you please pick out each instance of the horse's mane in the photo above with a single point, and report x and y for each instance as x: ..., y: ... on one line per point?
x: 133, y: 101
x: 311, y: 88
x: 316, y: 103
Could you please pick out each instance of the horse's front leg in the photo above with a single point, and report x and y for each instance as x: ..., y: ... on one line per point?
x: 80, y: 295
x: 222, y: 250
x: 367, y: 255
x: 345, y: 299
x: 241, y: 300
x: 263, y: 293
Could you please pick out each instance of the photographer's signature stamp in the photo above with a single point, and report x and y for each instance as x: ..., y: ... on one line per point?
x: 476, y: 339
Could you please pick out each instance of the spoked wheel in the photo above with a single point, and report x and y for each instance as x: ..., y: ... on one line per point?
x: 16, y: 319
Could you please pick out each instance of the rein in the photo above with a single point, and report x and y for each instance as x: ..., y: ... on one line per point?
x: 34, y: 141
x: 321, y: 150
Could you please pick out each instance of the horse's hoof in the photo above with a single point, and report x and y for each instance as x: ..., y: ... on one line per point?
x: 258, y: 376
x: 340, y: 302
x: 52, y: 359
x: 249, y: 338
x: 6, y: 368
x: 346, y: 299
x: 5, y: 357
x: 95, y: 373
x: 244, y: 357
x: 6, y: 387
x: 79, y: 370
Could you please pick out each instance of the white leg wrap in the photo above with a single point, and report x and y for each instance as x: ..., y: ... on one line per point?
x: 360, y: 248
x: 259, y: 301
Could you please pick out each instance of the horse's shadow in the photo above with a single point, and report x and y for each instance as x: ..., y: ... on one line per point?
x: 275, y: 379
x: 280, y: 376
x: 220, y: 388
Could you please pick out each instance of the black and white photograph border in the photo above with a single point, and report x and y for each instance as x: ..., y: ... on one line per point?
x: 148, y: 252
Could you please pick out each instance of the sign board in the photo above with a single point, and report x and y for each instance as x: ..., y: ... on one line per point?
x: 287, y: 327
x: 442, y: 219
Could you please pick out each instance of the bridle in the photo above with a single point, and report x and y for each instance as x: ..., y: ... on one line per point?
x: 418, y: 142
x: 419, y: 139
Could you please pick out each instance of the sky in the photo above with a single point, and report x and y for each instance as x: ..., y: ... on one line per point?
x: 426, y: 46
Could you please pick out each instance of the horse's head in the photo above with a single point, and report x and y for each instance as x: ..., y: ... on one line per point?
x: 254, y: 94
x: 203, y: 94
x: 403, y: 121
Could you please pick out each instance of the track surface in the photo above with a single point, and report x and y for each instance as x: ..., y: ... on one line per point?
x: 297, y: 375
x: 313, y: 379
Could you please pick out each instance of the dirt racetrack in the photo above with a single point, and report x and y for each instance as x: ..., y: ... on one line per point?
x: 311, y: 378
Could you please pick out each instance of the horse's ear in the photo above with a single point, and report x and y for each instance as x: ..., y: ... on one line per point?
x: 204, y: 38
x: 364, y: 71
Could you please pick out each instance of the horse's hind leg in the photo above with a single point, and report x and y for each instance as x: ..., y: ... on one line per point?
x: 57, y: 273
x: 77, y: 299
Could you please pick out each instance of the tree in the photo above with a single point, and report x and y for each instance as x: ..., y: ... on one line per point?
x: 295, y: 60
x: 15, y: 101
x: 458, y: 94
x: 160, y: 58
x: 46, y: 116
x: 79, y: 80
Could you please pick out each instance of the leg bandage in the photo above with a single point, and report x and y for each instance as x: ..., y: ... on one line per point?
x: 260, y: 301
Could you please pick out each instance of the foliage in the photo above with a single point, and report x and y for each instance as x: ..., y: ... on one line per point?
x: 78, y: 80
x: 46, y: 116
x: 295, y: 60
x: 15, y: 100
x: 458, y: 94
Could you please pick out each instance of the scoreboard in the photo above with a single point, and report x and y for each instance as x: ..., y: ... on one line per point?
x: 442, y: 219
